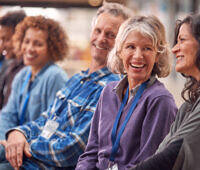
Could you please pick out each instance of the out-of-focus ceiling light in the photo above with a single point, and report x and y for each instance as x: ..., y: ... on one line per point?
x: 95, y: 2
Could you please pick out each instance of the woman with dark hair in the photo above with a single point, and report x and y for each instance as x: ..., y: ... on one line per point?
x: 180, y: 149
x: 10, y: 64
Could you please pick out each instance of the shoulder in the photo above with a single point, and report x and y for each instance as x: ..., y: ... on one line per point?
x: 111, y: 77
x: 54, y: 69
x: 20, y: 77
x: 22, y: 73
x: 105, y: 80
x: 54, y: 73
x: 157, y: 89
x: 109, y: 88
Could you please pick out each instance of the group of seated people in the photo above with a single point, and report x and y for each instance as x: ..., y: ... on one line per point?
x: 116, y: 115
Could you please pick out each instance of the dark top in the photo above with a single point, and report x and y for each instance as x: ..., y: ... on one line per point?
x: 8, y: 71
x: 163, y: 160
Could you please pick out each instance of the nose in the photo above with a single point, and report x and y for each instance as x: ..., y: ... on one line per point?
x: 175, y: 48
x: 138, y: 53
x: 29, y: 47
x: 101, y: 37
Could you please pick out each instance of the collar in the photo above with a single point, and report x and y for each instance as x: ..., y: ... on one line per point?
x: 41, y: 71
x: 95, y: 75
x: 124, y: 82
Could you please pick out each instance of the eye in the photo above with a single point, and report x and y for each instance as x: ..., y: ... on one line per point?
x: 26, y: 41
x: 97, y: 31
x: 148, y: 48
x: 39, y: 44
x: 182, y: 39
x: 130, y: 46
x: 110, y: 35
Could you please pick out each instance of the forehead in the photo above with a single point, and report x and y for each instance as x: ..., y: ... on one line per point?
x: 185, y: 29
x: 138, y: 37
x: 5, y: 30
x: 108, y: 21
x: 35, y: 33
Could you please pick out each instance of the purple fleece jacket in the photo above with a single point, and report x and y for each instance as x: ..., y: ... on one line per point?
x: 145, y: 130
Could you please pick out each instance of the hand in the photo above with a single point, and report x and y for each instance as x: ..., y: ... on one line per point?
x: 15, y: 146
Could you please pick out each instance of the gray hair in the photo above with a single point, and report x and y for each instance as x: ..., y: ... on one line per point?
x: 151, y: 27
x: 114, y: 9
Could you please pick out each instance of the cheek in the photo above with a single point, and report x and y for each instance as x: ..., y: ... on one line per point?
x: 111, y: 43
x: 92, y: 37
x: 124, y: 59
x: 151, y: 62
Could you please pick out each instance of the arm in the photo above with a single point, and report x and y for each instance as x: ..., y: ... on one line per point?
x: 32, y: 129
x: 88, y: 160
x: 181, y: 114
x: 69, y: 140
x: 160, y: 114
x: 18, y: 138
x: 164, y: 160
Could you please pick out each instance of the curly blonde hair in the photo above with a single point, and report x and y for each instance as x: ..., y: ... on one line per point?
x: 56, y: 41
x: 151, y: 27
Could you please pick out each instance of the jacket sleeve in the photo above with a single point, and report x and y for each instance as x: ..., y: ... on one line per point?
x: 174, y: 127
x: 160, y: 114
x: 88, y: 160
x: 164, y: 160
x: 32, y: 129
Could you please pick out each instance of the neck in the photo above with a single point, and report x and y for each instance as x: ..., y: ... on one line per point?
x: 94, y: 66
x: 34, y: 72
x: 196, y: 74
x: 132, y: 84
x: 198, y: 77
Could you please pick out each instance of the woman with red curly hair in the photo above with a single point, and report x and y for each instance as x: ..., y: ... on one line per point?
x: 41, y: 42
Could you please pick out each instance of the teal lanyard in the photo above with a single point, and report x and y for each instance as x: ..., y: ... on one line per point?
x: 23, y: 110
x: 1, y: 63
x: 114, y: 137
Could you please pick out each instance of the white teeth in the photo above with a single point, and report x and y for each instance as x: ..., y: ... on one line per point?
x: 137, y: 65
x: 29, y: 56
x: 100, y: 47
x: 179, y: 57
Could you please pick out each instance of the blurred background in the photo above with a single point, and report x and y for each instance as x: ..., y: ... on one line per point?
x: 75, y: 16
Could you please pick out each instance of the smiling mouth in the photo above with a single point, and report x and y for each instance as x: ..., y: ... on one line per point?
x: 137, y: 65
x: 179, y: 57
x: 100, y: 48
x: 29, y: 56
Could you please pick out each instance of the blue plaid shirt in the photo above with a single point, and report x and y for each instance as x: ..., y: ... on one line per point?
x: 73, y: 109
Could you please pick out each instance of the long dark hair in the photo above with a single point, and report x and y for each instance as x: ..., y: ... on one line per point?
x: 191, y: 90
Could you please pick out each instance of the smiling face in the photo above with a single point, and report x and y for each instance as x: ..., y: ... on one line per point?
x: 185, y: 51
x: 103, y: 36
x: 139, y: 56
x: 35, y: 49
